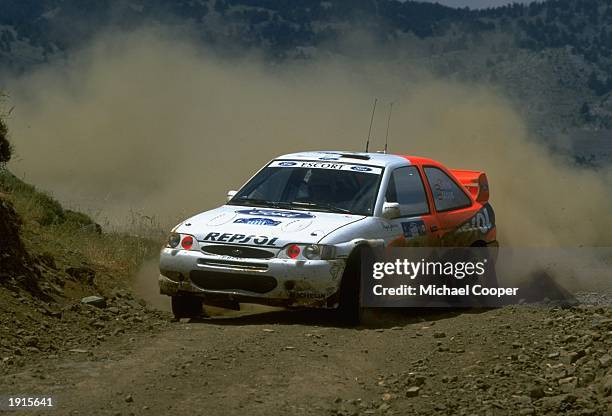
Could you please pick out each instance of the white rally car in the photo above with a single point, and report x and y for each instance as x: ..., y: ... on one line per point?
x: 294, y: 234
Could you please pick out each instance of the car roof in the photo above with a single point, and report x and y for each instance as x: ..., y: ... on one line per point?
x: 360, y: 158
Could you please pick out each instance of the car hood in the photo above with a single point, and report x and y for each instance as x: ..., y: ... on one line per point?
x: 231, y: 224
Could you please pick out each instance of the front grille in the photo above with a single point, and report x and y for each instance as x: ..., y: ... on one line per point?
x: 235, y: 265
x: 232, y: 281
x: 238, y: 251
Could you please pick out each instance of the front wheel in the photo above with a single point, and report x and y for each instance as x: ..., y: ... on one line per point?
x: 186, y: 306
x: 350, y: 310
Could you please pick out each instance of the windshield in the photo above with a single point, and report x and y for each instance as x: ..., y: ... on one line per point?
x: 319, y: 186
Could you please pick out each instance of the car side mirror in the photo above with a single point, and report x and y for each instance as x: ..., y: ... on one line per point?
x: 391, y: 210
x: 231, y: 194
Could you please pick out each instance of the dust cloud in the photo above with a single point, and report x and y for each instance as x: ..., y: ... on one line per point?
x: 148, y: 122
x: 145, y: 285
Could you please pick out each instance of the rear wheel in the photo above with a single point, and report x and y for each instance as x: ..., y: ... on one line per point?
x: 186, y: 306
x: 479, y: 253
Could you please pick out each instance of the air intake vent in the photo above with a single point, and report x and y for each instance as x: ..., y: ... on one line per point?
x: 238, y: 251
x: 234, y: 265
x: 232, y: 281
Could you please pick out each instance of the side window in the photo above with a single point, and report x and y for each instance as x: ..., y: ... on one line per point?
x: 447, y: 194
x: 406, y: 188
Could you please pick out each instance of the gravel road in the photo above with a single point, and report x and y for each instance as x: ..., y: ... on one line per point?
x: 514, y: 360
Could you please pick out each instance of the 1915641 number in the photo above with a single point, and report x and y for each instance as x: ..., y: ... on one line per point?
x: 28, y: 401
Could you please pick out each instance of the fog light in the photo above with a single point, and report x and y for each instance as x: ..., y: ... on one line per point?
x: 187, y: 242
x: 293, y: 251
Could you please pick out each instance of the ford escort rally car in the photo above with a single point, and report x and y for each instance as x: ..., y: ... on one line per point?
x: 294, y: 234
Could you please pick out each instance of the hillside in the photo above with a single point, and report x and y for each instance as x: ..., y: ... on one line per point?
x: 51, y: 259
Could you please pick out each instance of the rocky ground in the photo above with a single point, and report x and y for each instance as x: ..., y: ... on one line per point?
x: 516, y: 360
x: 64, y: 284
x: 33, y: 329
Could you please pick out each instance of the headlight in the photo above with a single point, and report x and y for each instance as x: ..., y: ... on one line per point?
x: 312, y: 252
x: 174, y: 239
x: 185, y: 241
x: 308, y: 251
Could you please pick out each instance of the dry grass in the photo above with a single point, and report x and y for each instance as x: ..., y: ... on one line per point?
x: 72, y: 238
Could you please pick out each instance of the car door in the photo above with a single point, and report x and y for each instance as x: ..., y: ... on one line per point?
x: 416, y: 226
x: 453, y: 206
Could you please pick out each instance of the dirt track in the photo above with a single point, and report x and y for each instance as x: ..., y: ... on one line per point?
x: 516, y: 360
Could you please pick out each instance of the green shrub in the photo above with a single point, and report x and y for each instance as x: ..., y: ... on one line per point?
x: 81, y: 220
x: 38, y: 205
x: 5, y: 146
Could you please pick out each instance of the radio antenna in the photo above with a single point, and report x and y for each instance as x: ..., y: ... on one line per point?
x: 388, y: 122
x: 371, y: 121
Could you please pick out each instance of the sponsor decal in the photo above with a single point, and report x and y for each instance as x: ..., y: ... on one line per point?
x: 325, y: 163
x: 260, y: 240
x: 481, y: 222
x: 413, y: 229
x: 320, y: 165
x: 361, y: 168
x: 257, y: 221
x: 306, y: 294
x: 444, y: 190
x: 388, y: 226
x: 329, y: 158
x: 274, y: 213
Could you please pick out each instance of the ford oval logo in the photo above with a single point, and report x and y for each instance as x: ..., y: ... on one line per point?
x: 287, y: 164
x: 361, y: 168
x: 257, y: 221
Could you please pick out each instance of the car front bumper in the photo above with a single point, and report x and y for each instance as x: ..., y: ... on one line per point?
x: 275, y: 281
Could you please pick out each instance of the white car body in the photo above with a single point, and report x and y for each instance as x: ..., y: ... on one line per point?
x: 239, y: 253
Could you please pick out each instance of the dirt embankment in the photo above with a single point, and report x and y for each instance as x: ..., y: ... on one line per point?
x: 15, y: 264
x: 64, y: 284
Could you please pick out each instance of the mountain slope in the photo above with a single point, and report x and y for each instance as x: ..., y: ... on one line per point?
x: 551, y: 58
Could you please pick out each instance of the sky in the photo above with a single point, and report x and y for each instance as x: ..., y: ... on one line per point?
x: 475, y: 4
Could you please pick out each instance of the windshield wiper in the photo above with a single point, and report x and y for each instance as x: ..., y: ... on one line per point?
x: 321, y: 205
x: 257, y: 202
x: 288, y: 205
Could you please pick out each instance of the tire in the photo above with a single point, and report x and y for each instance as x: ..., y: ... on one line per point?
x: 492, y: 282
x: 489, y: 280
x: 350, y: 311
x: 186, y: 306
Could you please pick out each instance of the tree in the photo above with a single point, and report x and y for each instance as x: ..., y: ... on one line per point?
x: 5, y: 146
x: 585, y: 112
x: 598, y: 86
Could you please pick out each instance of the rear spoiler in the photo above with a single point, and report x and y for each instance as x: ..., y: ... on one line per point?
x: 475, y: 182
